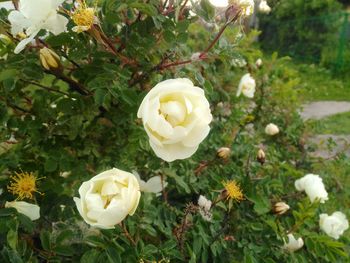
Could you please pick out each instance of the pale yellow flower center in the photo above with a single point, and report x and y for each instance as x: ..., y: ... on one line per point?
x: 23, y: 184
x: 84, y: 16
x: 233, y: 191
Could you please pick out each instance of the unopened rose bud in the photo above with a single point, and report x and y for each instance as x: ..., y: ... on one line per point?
x: 224, y: 152
x: 258, y: 63
x: 261, y: 156
x: 49, y: 59
x: 280, y: 208
x: 272, y: 129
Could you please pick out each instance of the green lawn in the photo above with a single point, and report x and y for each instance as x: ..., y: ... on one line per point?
x: 336, y: 124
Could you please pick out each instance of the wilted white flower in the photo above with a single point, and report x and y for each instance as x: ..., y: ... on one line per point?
x: 35, y: 15
x: 107, y: 198
x: 65, y: 174
x: 280, y: 208
x: 313, y: 186
x: 176, y: 117
x: 239, y: 62
x: 271, y: 129
x: 334, y: 225
x: 204, y: 207
x: 246, y: 86
x: 258, y: 62
x: 293, y: 244
x: 30, y: 210
x: 195, y: 56
x: 264, y: 7
x: 247, y: 6
x: 153, y: 185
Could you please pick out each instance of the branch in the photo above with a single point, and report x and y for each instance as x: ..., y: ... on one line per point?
x: 44, y: 87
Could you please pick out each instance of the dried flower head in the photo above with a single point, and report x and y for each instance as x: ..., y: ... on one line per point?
x: 233, y: 191
x: 23, y: 184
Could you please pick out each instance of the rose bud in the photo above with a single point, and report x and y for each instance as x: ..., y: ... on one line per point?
x: 49, y: 59
x: 261, y: 156
x: 280, y: 208
x: 224, y: 152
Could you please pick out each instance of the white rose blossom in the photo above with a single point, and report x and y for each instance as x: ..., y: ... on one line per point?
x: 264, y: 7
x: 334, y: 225
x: 313, y: 186
x: 153, y: 185
x: 246, y: 86
x: 30, y: 210
x: 176, y: 117
x: 34, y: 15
x: 272, y: 129
x: 107, y: 198
x: 293, y: 244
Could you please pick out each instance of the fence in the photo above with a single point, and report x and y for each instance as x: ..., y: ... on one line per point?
x: 323, y: 40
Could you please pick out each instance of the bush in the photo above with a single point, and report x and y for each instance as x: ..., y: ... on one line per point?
x: 67, y: 117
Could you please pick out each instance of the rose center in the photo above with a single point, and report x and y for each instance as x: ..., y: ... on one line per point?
x: 173, y: 111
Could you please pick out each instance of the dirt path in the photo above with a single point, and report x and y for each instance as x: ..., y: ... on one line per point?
x: 339, y: 143
x: 321, y: 109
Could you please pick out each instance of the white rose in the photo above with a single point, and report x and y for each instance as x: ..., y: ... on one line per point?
x: 271, y: 129
x: 30, y: 210
x: 293, y: 244
x: 264, y: 7
x: 246, y: 86
x: 334, y: 225
x: 34, y: 15
x: 176, y: 117
x: 313, y: 186
x: 107, y: 198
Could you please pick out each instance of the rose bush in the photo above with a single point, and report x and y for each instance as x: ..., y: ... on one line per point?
x: 226, y: 191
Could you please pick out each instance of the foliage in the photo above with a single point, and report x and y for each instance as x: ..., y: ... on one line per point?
x: 310, y: 31
x: 83, y: 120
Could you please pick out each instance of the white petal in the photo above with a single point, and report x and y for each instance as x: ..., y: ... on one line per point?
x: 153, y: 185
x: 21, y: 45
x: 36, y: 10
x: 56, y: 24
x: 18, y: 22
x: 172, y: 152
x: 30, y: 210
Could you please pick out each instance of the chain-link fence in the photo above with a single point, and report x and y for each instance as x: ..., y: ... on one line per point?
x: 323, y: 40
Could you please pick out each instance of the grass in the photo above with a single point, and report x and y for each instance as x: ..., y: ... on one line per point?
x: 336, y: 124
x: 319, y: 84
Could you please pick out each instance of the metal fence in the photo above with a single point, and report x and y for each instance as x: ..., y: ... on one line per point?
x: 323, y: 40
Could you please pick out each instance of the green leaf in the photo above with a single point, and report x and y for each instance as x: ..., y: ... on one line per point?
x: 95, y: 241
x: 8, y: 74
x: 90, y: 256
x: 113, y: 255
x: 45, y: 240
x: 12, y: 238
x: 7, y: 211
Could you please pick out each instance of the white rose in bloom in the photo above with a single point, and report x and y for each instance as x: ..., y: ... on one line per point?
x: 334, y: 225
x: 246, y: 86
x: 107, y: 198
x: 30, y: 210
x: 153, y: 185
x: 271, y: 129
x: 176, y: 117
x: 293, y: 244
x: 34, y: 15
x: 264, y: 7
x: 313, y: 186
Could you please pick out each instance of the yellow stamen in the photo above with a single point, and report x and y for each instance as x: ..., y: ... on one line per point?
x: 24, y: 185
x: 233, y: 190
x: 84, y: 16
